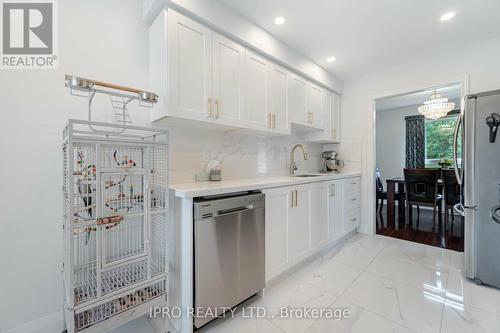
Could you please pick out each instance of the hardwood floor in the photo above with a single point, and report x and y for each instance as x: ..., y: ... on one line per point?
x: 425, y: 233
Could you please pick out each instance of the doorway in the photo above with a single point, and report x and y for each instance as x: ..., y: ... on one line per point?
x: 414, y: 169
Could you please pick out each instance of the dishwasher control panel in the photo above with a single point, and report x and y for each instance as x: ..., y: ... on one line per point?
x: 206, y: 208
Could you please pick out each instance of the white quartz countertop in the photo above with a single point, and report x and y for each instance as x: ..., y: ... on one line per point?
x: 199, y: 189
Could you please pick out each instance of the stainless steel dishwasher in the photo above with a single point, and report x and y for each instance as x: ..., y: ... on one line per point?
x: 229, y: 263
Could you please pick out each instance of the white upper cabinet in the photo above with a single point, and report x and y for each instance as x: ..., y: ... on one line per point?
x: 335, y: 118
x: 331, y: 120
x: 298, y: 100
x: 190, y: 68
x: 314, y: 102
x: 256, y: 88
x: 201, y: 75
x: 228, y: 73
x: 278, y: 99
x: 306, y: 103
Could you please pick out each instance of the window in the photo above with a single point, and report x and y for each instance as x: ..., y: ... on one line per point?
x: 439, y: 141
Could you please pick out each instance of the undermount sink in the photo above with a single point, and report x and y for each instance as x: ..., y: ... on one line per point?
x: 305, y: 176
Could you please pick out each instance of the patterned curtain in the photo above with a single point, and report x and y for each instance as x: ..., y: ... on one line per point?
x: 415, y: 142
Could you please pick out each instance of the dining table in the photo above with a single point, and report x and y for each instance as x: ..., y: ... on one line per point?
x: 392, y: 184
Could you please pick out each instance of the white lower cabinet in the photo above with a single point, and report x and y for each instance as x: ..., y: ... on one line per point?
x: 299, y: 223
x: 352, y: 204
x: 320, y: 226
x: 335, y: 216
x: 278, y: 203
x: 303, y: 219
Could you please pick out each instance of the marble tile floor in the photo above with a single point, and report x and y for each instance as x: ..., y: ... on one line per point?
x: 386, y: 284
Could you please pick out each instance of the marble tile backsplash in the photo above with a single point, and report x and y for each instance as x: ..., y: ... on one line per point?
x: 241, y: 156
x: 349, y: 152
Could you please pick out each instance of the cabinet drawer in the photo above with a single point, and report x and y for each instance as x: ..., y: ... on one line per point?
x: 352, y: 200
x: 352, y: 220
x: 353, y: 183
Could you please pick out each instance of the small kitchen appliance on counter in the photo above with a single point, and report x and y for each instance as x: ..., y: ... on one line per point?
x: 331, y: 163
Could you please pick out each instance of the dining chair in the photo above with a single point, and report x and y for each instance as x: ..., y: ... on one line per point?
x: 451, y: 196
x: 421, y: 187
x: 381, y: 194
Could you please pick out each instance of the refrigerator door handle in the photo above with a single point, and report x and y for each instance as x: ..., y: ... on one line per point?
x: 458, y: 174
x: 459, y: 209
x: 494, y: 213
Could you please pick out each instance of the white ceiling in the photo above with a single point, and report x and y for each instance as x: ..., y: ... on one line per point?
x: 366, y: 35
x: 417, y: 98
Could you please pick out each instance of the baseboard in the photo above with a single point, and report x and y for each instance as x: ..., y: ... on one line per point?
x: 52, y: 323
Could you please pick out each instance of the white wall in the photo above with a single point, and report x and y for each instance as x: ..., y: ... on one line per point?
x: 480, y: 62
x: 391, y: 140
x: 104, y: 40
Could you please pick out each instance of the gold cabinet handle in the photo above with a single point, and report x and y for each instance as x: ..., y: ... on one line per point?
x: 217, y: 107
x: 274, y: 120
x: 210, y: 107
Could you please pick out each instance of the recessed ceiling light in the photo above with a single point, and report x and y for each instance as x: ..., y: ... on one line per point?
x: 447, y: 16
x: 279, y: 20
x: 331, y: 59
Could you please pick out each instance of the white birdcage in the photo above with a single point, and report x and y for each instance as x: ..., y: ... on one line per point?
x: 115, y: 265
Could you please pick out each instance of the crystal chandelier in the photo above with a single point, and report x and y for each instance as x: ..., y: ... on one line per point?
x: 437, y: 107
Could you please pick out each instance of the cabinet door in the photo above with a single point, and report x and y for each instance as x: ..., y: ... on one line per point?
x: 278, y: 98
x: 299, y: 224
x: 335, y: 211
x: 335, y: 118
x: 314, y: 102
x: 190, y: 65
x: 320, y: 228
x: 352, y: 220
x: 256, y: 81
x: 298, y: 100
x: 327, y: 114
x: 228, y: 68
x: 351, y: 204
x: 278, y: 202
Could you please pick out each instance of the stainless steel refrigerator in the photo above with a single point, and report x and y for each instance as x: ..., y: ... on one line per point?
x: 479, y: 177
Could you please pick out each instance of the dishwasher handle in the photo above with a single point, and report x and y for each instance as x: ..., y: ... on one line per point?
x: 233, y: 211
